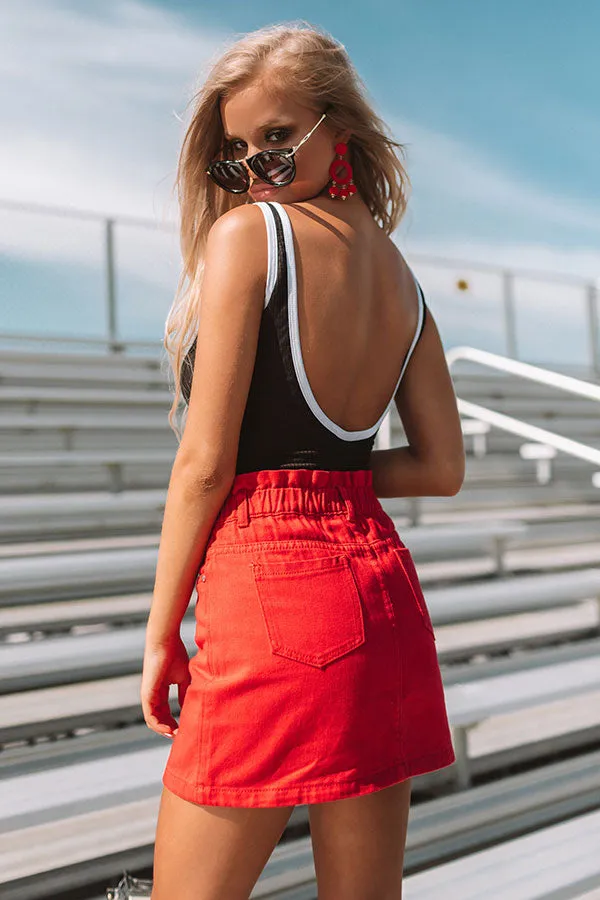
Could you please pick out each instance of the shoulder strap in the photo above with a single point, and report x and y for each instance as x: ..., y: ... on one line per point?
x: 420, y: 324
x: 272, y: 249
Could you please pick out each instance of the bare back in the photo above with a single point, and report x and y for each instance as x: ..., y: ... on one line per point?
x: 357, y: 307
x: 358, y: 312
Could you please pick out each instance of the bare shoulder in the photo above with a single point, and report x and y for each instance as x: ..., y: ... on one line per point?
x: 238, y: 221
x: 237, y: 243
x: 399, y: 261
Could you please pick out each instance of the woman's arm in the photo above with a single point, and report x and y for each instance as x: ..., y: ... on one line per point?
x: 191, y: 508
x: 433, y: 463
x: 397, y: 472
x: 233, y: 291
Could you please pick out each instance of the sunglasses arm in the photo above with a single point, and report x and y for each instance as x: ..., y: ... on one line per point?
x: 306, y: 136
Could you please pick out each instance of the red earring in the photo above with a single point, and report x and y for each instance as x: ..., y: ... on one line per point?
x: 341, y: 174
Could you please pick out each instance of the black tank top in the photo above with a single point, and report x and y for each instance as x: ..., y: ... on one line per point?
x: 283, y: 426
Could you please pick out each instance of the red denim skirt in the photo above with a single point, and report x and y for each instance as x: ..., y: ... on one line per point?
x: 316, y: 674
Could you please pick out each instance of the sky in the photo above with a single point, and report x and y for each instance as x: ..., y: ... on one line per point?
x: 497, y: 105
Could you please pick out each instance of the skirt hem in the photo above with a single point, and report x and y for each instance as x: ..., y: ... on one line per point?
x: 318, y: 792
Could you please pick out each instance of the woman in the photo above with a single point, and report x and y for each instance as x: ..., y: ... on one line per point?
x: 316, y: 678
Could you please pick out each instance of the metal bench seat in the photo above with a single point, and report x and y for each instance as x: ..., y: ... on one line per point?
x: 470, y: 702
x: 35, y: 516
x: 558, y: 862
x: 109, y: 819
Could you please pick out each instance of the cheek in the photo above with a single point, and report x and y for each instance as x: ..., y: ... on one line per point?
x: 314, y: 166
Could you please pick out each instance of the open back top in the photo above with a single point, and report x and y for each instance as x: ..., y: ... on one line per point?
x: 283, y: 426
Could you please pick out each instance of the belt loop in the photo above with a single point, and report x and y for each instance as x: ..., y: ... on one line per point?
x: 347, y: 501
x: 243, y: 510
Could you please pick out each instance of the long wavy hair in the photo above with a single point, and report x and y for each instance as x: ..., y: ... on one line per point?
x: 314, y: 69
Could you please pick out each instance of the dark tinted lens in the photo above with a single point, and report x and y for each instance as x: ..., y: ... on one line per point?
x: 230, y: 174
x: 273, y: 167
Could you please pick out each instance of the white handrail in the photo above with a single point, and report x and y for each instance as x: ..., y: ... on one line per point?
x: 517, y: 426
x: 525, y: 370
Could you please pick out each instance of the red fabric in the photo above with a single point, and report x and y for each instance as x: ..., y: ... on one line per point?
x: 316, y: 675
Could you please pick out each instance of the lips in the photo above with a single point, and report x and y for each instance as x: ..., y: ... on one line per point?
x: 265, y: 190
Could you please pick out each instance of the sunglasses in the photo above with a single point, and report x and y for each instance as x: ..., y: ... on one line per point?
x: 275, y: 167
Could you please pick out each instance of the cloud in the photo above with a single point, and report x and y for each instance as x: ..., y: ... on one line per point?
x: 575, y: 262
x: 88, y: 99
x: 453, y: 178
x: 89, y: 102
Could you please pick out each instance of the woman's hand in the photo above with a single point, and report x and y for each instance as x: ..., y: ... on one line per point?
x: 164, y: 664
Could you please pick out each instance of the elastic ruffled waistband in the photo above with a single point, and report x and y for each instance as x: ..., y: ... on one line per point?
x: 269, y: 492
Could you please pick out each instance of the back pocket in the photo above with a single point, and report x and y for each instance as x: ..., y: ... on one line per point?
x: 311, y: 607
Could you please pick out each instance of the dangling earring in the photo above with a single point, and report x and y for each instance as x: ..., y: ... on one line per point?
x: 341, y: 174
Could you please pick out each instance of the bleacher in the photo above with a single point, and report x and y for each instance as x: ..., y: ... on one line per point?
x: 510, y: 568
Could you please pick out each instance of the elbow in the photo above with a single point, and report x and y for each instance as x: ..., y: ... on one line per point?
x: 202, y: 477
x: 450, y: 477
x: 453, y: 488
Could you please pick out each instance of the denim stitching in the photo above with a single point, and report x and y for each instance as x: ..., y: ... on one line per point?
x: 400, y: 765
x: 423, y: 613
x: 278, y: 646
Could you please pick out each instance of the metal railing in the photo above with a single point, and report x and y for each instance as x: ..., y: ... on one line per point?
x: 115, y: 343
x: 591, y: 287
x: 112, y: 342
x: 543, y: 438
x: 545, y: 443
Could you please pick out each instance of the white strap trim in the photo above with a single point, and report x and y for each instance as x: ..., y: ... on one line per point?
x: 272, y: 251
x: 294, y: 330
x: 421, y: 302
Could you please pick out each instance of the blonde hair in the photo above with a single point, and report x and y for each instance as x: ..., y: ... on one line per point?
x: 314, y: 69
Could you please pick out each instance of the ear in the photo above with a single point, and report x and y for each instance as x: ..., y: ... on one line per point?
x: 344, y: 135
